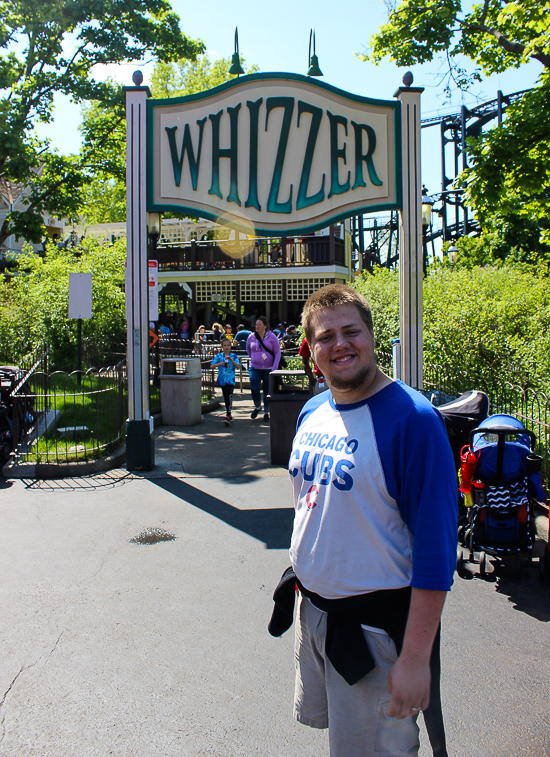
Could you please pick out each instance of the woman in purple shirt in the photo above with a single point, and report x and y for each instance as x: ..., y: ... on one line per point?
x: 264, y: 352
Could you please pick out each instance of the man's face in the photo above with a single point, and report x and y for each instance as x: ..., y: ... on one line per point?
x: 342, y: 346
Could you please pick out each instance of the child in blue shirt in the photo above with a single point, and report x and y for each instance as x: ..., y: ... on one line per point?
x: 227, y: 362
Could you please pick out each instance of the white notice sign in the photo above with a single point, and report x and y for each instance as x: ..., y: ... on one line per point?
x: 153, y: 291
x: 80, y: 295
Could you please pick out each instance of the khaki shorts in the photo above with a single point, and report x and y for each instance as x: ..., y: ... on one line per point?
x: 355, y: 715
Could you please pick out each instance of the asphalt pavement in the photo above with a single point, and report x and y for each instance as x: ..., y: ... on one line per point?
x: 115, y: 646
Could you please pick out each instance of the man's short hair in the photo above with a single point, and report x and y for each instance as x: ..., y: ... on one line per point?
x: 331, y: 296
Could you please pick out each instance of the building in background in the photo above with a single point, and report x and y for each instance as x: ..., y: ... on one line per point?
x: 205, y: 268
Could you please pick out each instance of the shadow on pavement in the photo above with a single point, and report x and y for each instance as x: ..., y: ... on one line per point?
x: 4, y: 483
x: 272, y: 526
x: 527, y: 593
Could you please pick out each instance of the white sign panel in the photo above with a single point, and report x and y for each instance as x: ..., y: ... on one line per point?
x: 80, y: 295
x: 274, y: 153
x: 153, y: 290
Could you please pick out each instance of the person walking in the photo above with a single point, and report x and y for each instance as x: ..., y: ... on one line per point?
x: 373, y: 548
x: 264, y: 351
x: 227, y: 362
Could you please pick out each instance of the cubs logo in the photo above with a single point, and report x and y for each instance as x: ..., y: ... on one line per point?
x: 310, y: 501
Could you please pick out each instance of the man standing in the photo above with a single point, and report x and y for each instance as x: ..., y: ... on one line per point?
x: 374, y: 540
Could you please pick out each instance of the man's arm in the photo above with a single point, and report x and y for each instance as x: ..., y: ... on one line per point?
x: 409, y: 679
x: 307, y: 368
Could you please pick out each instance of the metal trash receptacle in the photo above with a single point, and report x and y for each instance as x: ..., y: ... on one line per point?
x: 180, y: 391
x: 286, y: 401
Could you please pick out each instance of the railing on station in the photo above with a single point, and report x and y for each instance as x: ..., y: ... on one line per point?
x: 299, y: 251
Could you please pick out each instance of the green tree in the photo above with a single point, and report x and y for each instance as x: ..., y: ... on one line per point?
x: 49, y: 47
x: 35, y: 303
x: 103, y: 157
x: 508, y: 180
x: 188, y: 77
x: 495, y: 35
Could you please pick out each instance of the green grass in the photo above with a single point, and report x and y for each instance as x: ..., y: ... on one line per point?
x: 95, y: 404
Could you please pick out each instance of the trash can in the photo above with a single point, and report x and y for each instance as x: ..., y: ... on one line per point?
x: 180, y: 391
x: 286, y: 401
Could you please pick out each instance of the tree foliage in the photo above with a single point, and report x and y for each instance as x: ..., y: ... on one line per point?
x: 103, y: 157
x: 35, y: 302
x: 188, y: 77
x: 51, y: 47
x: 491, y: 322
x: 508, y: 179
x: 495, y: 35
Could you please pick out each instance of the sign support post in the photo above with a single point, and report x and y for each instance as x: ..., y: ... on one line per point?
x: 140, y: 450
x: 410, y: 238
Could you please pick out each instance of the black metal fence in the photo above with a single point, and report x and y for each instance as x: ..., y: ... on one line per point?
x: 62, y: 417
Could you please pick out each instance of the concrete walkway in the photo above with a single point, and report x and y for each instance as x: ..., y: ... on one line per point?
x: 111, y: 647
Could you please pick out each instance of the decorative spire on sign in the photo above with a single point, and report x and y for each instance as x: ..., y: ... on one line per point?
x: 313, y: 61
x: 236, y: 67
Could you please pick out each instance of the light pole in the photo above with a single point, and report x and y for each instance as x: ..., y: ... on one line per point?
x: 427, y: 204
x: 452, y: 252
x: 154, y: 221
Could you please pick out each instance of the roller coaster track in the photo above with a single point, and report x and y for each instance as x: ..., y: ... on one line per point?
x: 375, y: 239
x: 483, y: 113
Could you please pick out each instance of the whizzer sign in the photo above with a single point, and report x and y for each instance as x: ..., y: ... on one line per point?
x: 271, y: 155
x: 275, y: 153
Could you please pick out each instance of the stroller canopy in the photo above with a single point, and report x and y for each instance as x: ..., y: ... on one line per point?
x: 514, y: 464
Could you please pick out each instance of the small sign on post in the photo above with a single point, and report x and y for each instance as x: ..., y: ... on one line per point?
x: 80, y: 306
x: 80, y: 295
x: 153, y: 290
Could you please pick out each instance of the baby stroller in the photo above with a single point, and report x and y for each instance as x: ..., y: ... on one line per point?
x: 499, y: 477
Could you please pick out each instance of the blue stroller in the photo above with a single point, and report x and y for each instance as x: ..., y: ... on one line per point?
x: 500, y: 477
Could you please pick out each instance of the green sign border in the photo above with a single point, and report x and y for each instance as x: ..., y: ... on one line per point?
x: 181, y: 209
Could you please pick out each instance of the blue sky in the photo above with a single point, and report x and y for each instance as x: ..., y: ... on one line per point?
x: 275, y: 36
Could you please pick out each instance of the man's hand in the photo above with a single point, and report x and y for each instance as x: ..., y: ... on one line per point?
x: 409, y: 679
x: 409, y: 686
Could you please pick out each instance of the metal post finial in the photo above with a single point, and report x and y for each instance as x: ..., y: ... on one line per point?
x: 137, y: 78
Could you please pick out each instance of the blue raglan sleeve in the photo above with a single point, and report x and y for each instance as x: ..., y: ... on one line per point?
x: 420, y: 475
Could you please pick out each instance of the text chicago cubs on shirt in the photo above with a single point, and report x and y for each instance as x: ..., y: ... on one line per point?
x: 320, y: 467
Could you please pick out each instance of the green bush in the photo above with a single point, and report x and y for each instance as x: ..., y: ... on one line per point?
x: 35, y: 302
x: 382, y: 292
x: 492, y: 322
